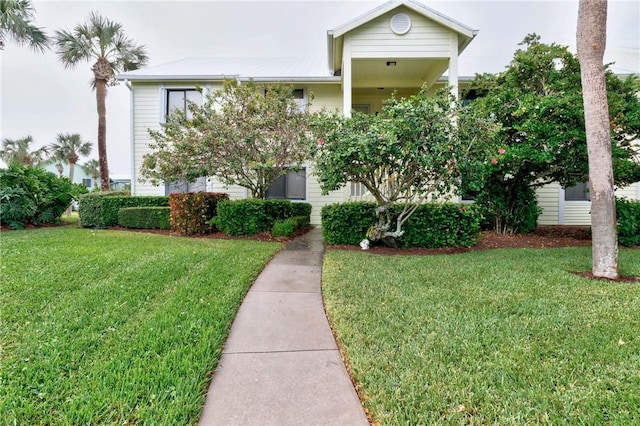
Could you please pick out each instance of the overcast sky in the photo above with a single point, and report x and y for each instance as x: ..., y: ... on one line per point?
x: 40, y: 98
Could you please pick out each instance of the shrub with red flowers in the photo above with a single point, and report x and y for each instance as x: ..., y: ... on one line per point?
x: 538, y: 134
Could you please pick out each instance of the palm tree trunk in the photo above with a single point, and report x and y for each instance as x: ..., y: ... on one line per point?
x: 591, y: 39
x: 72, y: 166
x: 101, y: 94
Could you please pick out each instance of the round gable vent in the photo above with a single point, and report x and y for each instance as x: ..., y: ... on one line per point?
x: 400, y: 23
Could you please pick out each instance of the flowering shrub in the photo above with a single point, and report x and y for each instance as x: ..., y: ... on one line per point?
x: 535, y: 116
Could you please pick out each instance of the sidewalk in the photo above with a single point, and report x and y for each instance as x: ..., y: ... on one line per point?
x: 280, y: 364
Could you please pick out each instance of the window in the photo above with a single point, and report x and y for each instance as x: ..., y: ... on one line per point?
x: 358, y: 189
x: 290, y: 186
x: 180, y: 98
x: 200, y: 185
x: 580, y: 192
x: 298, y: 96
x: 86, y: 182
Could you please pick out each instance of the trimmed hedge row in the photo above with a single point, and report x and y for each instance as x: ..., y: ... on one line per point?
x: 251, y: 216
x: 112, y: 205
x: 144, y: 217
x: 431, y: 226
x: 91, y: 208
x: 628, y: 214
x: 191, y: 212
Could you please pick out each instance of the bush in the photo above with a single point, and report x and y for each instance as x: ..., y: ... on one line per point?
x: 287, y: 227
x: 251, y: 216
x: 283, y: 228
x: 431, y: 226
x: 192, y: 212
x: 112, y: 205
x: 628, y: 214
x: 347, y: 223
x: 30, y: 195
x: 144, y: 217
x: 91, y: 208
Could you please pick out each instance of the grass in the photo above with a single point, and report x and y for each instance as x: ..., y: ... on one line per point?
x: 503, y: 337
x: 110, y: 327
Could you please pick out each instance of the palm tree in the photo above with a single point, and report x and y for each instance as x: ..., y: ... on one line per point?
x: 591, y: 41
x: 92, y: 168
x: 17, y: 151
x: 68, y: 148
x: 102, y: 42
x: 15, y: 23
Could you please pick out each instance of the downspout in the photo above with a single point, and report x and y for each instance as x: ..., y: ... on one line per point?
x: 131, y: 137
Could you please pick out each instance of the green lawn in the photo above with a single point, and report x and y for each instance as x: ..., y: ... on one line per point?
x: 109, y: 327
x: 503, y: 337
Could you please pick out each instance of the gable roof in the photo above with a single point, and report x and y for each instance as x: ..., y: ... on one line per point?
x: 465, y: 33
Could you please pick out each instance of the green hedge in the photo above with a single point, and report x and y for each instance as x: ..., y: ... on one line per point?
x: 287, y: 227
x: 100, y: 209
x: 112, y: 205
x: 251, y: 216
x: 431, y: 226
x: 628, y: 214
x: 191, y: 212
x: 144, y: 217
x: 90, y: 208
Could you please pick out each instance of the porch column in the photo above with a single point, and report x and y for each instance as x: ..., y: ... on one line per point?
x: 453, y: 66
x: 346, y: 77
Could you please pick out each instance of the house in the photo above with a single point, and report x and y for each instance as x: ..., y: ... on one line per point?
x: 79, y: 175
x: 399, y: 46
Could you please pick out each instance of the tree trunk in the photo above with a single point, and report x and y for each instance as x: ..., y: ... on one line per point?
x: 591, y: 40
x: 101, y: 94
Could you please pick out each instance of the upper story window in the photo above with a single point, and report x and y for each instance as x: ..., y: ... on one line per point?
x: 290, y: 186
x: 580, y: 192
x: 179, y: 99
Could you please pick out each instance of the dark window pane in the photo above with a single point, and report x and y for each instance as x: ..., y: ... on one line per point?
x: 580, y: 192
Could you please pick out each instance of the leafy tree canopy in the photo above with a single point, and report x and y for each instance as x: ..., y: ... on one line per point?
x: 406, y: 154
x: 245, y: 134
x: 536, y: 105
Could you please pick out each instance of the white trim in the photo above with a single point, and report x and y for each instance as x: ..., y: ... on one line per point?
x: 561, y: 205
x: 163, y: 103
x: 414, y: 6
x: 347, y: 88
x: 453, y: 66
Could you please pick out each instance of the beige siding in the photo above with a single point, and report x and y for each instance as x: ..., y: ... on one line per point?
x: 630, y: 192
x: 235, y: 192
x: 548, y: 201
x: 317, y: 200
x: 327, y: 96
x: 577, y: 213
x: 146, y: 107
x: 426, y: 39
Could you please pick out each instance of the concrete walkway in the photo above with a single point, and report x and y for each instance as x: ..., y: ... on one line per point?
x: 280, y: 364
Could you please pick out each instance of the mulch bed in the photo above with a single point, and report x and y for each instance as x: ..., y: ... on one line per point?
x: 543, y: 237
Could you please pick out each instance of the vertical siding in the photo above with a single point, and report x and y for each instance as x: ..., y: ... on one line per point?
x: 426, y: 38
x: 548, y: 201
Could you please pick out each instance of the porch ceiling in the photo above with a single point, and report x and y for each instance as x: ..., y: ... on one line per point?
x: 406, y: 72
